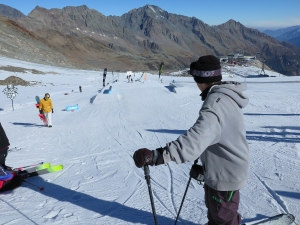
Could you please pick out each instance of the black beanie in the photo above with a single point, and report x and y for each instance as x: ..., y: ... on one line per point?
x: 206, y: 70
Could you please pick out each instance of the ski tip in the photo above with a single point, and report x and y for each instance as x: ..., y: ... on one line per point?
x: 55, y: 168
x: 43, y: 166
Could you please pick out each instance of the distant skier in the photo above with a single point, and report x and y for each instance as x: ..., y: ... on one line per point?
x: 8, y: 180
x: 263, y: 68
x: 80, y: 89
x: 161, y: 67
x: 218, y: 137
x: 104, y: 76
x: 46, y: 108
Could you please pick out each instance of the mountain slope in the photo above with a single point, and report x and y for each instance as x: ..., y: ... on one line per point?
x: 295, y: 41
x: 17, y: 42
x: 289, y: 35
x: 279, y: 32
x: 142, y: 38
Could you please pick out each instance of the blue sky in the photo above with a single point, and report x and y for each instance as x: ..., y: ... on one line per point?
x: 263, y: 14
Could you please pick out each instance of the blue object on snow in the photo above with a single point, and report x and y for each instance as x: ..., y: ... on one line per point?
x: 72, y: 107
x: 110, y: 90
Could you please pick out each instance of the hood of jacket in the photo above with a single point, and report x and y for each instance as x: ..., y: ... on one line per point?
x: 234, y: 90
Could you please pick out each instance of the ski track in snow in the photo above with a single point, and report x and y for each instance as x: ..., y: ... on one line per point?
x: 279, y: 201
x: 170, y: 192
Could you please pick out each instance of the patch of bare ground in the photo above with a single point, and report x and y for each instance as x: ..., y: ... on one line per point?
x: 15, y: 81
x: 23, y: 70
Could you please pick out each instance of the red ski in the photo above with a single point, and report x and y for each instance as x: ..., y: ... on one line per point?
x: 42, y: 116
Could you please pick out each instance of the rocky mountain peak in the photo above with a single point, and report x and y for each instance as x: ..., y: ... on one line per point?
x: 10, y: 12
x: 37, y: 12
x: 79, y: 8
x: 232, y: 24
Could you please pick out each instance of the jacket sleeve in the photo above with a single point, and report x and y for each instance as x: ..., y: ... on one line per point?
x: 51, y: 105
x: 189, y: 146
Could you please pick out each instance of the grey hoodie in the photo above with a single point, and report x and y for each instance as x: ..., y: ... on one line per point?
x: 218, y: 137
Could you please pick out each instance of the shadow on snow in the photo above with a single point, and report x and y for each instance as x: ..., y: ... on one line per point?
x: 167, y: 131
x: 103, y: 207
x: 93, y: 99
x: 171, y: 88
x: 28, y: 124
x: 272, y: 136
x: 267, y: 114
x: 288, y: 194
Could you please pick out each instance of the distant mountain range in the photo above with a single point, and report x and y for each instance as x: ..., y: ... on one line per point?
x: 289, y: 34
x: 138, y: 40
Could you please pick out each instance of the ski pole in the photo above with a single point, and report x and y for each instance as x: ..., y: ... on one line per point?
x: 193, y: 174
x: 147, y: 177
x: 186, y: 189
x: 41, y: 188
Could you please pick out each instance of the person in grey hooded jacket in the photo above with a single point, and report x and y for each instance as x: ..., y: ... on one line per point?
x: 218, y: 137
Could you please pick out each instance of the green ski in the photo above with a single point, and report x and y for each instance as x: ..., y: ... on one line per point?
x: 35, y: 168
x: 50, y: 169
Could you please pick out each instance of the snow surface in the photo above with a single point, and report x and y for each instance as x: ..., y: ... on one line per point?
x: 100, y: 183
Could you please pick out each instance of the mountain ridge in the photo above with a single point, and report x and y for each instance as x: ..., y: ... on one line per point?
x: 144, y: 37
x: 10, y: 12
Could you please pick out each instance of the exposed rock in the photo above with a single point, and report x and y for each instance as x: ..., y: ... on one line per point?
x: 20, y: 70
x: 15, y: 81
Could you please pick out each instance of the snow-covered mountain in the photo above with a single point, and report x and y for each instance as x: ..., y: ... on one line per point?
x: 100, y: 183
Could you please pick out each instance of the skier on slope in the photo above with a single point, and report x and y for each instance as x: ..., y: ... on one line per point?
x: 104, y: 76
x: 8, y: 180
x: 46, y: 108
x: 218, y: 137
